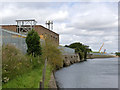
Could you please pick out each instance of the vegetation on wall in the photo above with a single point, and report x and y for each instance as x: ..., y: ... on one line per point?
x: 52, y: 53
x: 81, y: 49
x: 33, y: 43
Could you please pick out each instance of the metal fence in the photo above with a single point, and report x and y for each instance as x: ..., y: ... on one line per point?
x: 16, y: 39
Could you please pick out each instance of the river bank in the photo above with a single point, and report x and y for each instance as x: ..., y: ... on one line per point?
x: 91, y: 56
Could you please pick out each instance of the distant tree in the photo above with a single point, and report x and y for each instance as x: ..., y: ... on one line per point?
x: 117, y: 54
x: 66, y: 46
x: 33, y: 43
x: 80, y: 48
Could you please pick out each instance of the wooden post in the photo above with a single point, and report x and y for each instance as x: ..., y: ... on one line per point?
x: 44, y: 71
x: 40, y: 85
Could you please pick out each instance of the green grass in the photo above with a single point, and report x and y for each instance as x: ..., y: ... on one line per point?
x: 29, y: 80
x: 48, y: 75
x: 24, y: 71
x: 0, y: 87
x: 21, y: 71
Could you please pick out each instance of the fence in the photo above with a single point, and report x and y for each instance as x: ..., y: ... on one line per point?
x: 16, y: 39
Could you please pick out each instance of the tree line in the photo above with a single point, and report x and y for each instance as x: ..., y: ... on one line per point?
x: 81, y: 49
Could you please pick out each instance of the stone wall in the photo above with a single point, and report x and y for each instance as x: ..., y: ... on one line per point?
x: 69, y: 56
x: 52, y: 82
x: 70, y: 59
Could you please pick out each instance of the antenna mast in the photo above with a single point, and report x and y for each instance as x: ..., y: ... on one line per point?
x: 49, y: 25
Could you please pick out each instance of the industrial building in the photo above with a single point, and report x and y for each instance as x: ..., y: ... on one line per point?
x: 23, y: 26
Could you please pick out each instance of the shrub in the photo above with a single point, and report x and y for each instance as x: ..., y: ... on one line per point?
x: 117, y: 54
x: 52, y: 53
x: 13, y: 63
x: 33, y: 43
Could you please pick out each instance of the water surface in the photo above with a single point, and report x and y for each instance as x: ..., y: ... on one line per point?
x: 93, y: 73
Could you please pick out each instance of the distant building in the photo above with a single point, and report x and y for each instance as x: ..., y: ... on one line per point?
x: 23, y: 26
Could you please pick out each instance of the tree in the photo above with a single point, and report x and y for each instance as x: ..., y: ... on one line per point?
x: 33, y: 43
x: 52, y: 53
x: 81, y: 49
x: 117, y: 54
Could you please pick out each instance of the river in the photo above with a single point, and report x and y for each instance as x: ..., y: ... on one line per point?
x: 93, y: 73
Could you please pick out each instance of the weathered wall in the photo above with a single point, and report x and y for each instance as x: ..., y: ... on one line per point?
x: 69, y: 56
x: 44, y: 31
x: 16, y: 39
x: 70, y: 59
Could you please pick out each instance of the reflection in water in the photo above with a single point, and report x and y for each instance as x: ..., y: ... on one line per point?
x: 94, y: 73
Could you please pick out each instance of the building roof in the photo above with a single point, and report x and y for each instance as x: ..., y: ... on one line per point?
x: 35, y: 26
x: 46, y: 29
x: 27, y: 20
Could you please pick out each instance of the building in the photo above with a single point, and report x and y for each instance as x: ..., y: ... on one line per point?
x: 23, y: 26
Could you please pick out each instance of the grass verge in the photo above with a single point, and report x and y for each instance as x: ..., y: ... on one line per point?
x: 30, y: 79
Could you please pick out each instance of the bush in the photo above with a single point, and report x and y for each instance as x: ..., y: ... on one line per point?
x: 13, y: 63
x: 33, y: 43
x: 117, y: 54
x: 52, y: 53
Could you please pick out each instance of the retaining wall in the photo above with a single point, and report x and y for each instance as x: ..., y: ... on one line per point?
x: 18, y: 40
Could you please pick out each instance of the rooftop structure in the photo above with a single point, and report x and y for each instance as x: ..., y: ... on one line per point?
x: 23, y: 26
x: 49, y: 25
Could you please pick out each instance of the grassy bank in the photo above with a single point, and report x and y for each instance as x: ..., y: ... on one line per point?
x: 30, y: 79
x: 22, y: 71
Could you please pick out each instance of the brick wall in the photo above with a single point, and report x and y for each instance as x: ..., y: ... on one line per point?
x: 9, y: 27
x: 44, y: 31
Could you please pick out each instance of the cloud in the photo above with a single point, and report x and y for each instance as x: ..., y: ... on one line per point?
x: 91, y: 23
x: 58, y: 16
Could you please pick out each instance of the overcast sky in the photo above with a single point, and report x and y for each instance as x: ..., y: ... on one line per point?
x: 90, y: 23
